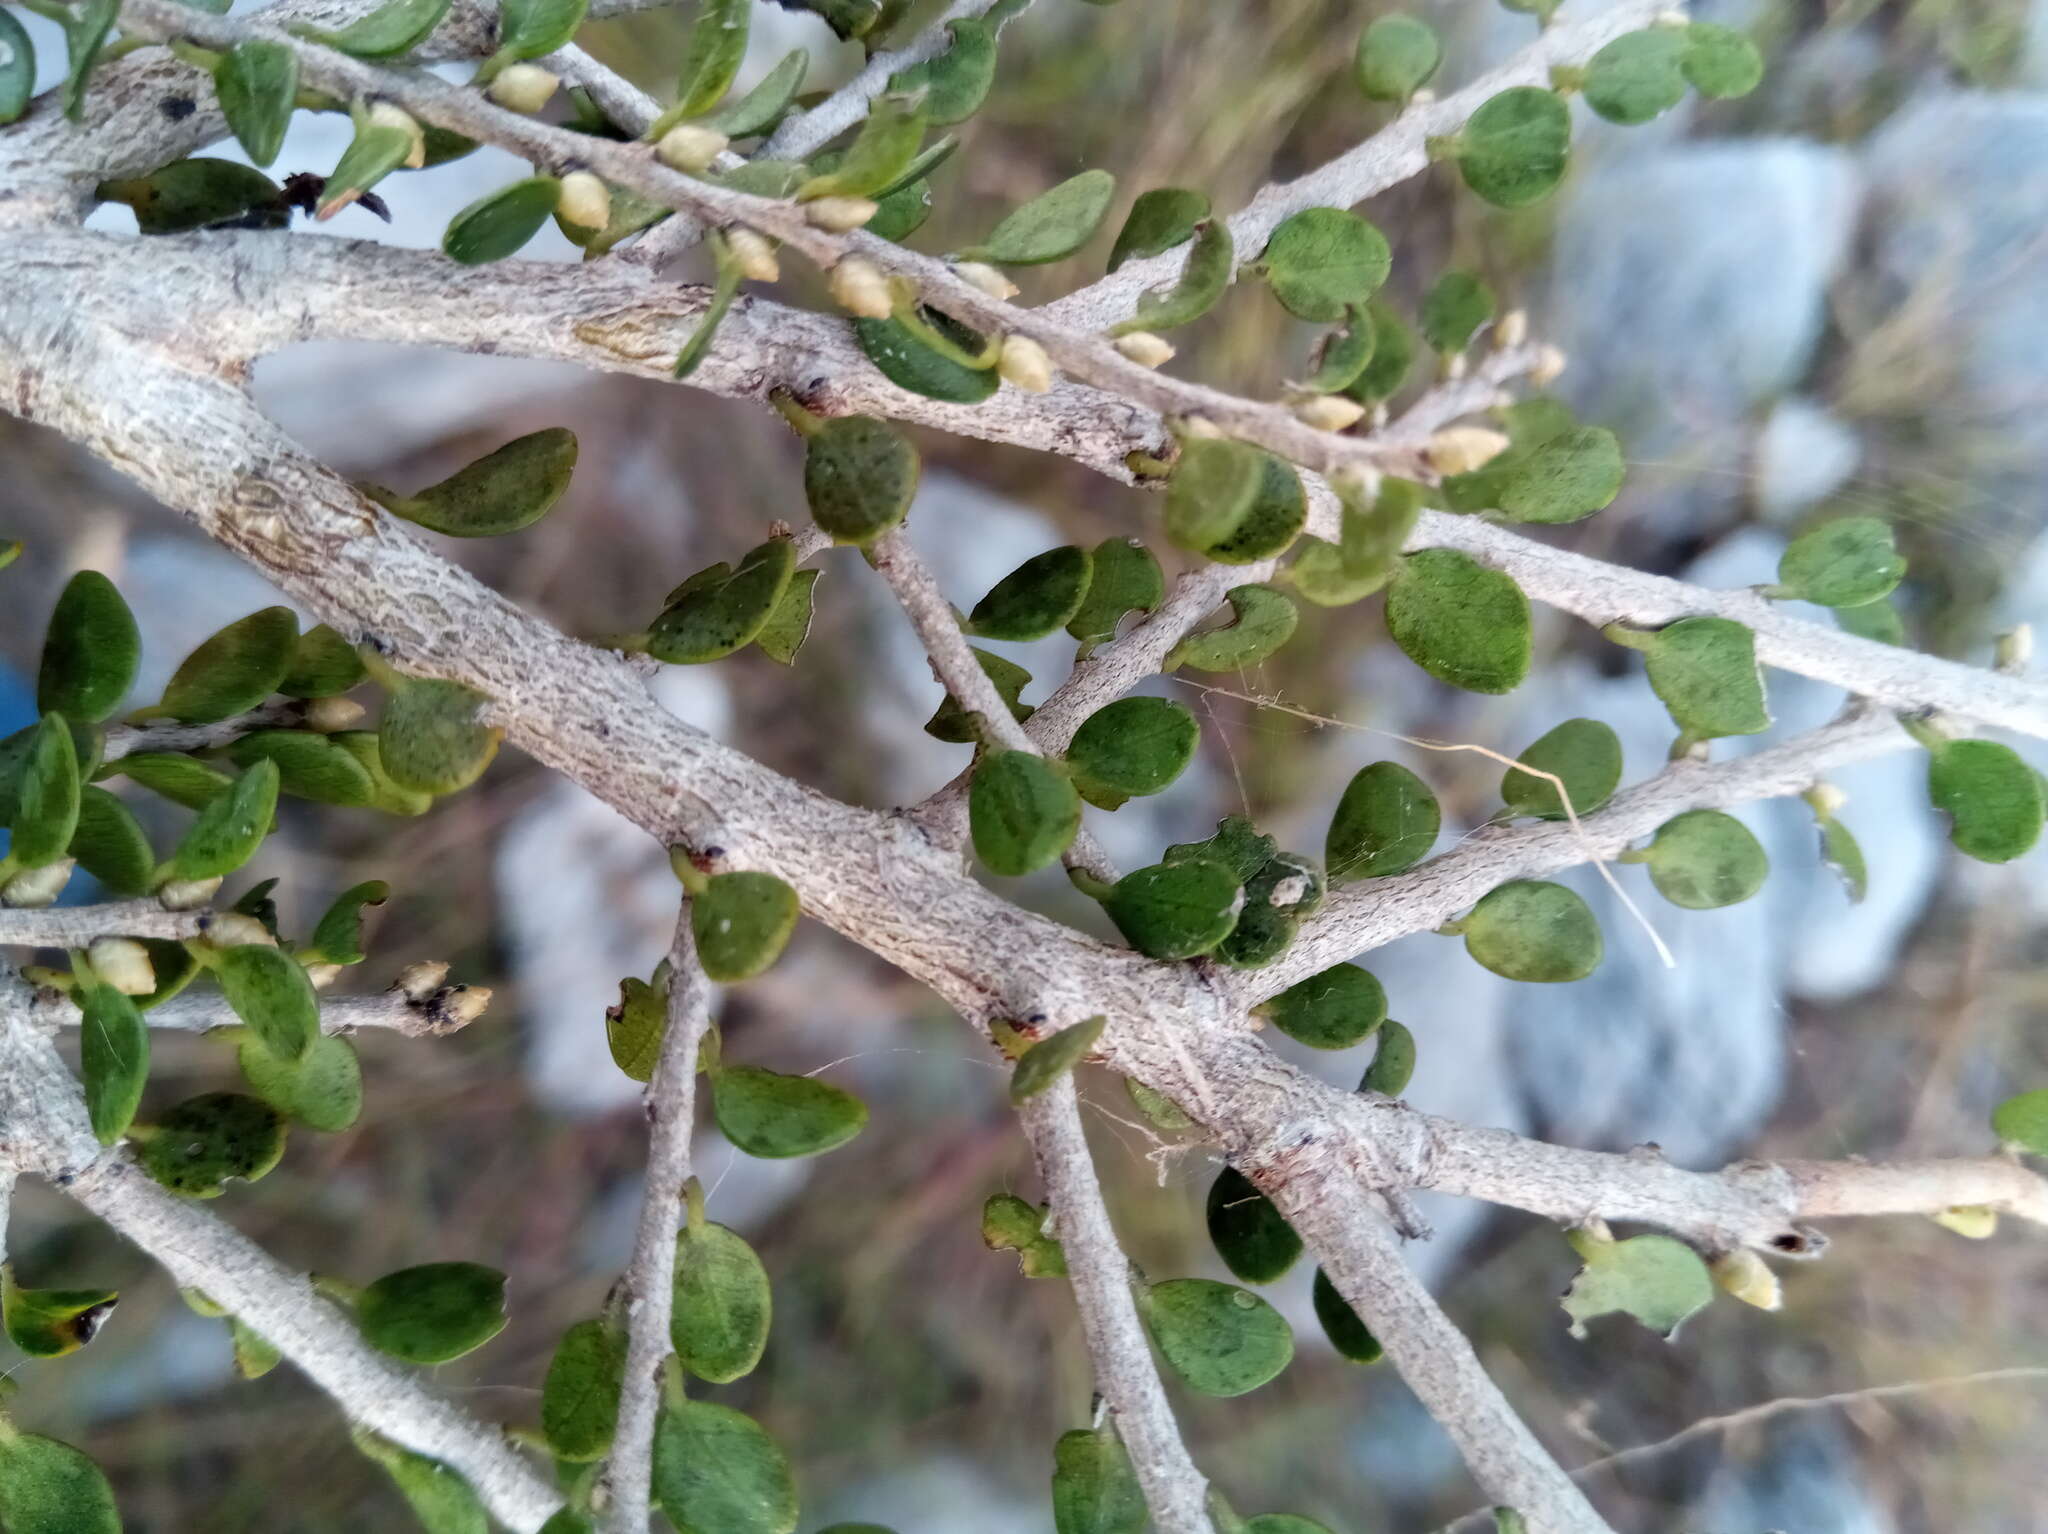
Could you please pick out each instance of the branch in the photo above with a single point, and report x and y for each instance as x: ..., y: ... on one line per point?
x: 43, y: 1119
x: 671, y: 1100
x: 77, y: 926
x: 444, y: 1010
x: 168, y: 735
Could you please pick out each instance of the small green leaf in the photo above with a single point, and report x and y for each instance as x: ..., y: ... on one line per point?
x: 1532, y: 930
x: 1879, y: 621
x: 1162, y: 1110
x: 338, y: 935
x: 956, y: 82
x: 1992, y: 797
x: 1022, y: 811
x: 433, y: 1313
x: 1657, y: 1280
x: 113, y: 1052
x: 324, y: 665
x: 267, y: 989
x: 498, y: 223
x: 1393, y: 1063
x: 1583, y: 754
x: 1369, y: 550
x: 45, y: 794
x: 309, y: 766
x: 1251, y: 1236
x: 2023, y: 1121
x: 1053, y: 224
x: 196, y: 1147
x: 397, y: 26
x: 1848, y: 562
x: 1124, y: 577
x: 790, y: 624
x: 17, y: 82
x: 717, y: 1472
x: 859, y: 477
x: 741, y: 923
x: 173, y: 965
x: 1037, y: 597
x: 1275, y: 518
x: 529, y: 28
x: 952, y: 724
x: 579, y: 1400
x: 1159, y: 220
x: 717, y: 45
x: 322, y: 1089
x: 1397, y: 55
x: 430, y: 740
x: 254, y: 1356
x: 1238, y: 845
x: 1212, y: 491
x: 910, y: 364
x: 1132, y: 747
x: 258, y: 85
x: 375, y: 152
x: 1335, y: 1009
x: 1322, y: 261
x: 1176, y: 910
x: 1340, y: 1323
x: 502, y: 492
x: 85, y: 34
x: 1341, y: 355
x: 722, y: 1303
x: 234, y: 670
x: 49, y: 1323
x: 722, y: 609
x: 880, y: 153
x: 1460, y: 621
x: 1008, y: 1224
x: 1841, y: 852
x: 1705, y: 670
x: 47, y: 1487
x: 1209, y: 268
x: 440, y: 1499
x: 1053, y: 1057
x: 1563, y: 478
x: 1385, y: 823
x: 1265, y: 620
x: 1637, y: 76
x: 90, y: 651
x: 762, y: 107
x: 775, y: 1116
x: 1704, y: 859
x: 392, y: 798
x: 110, y: 845
x: 1720, y: 62
x: 634, y: 1027
x: 181, y: 779
x: 1393, y: 353
x: 1221, y: 1340
x: 231, y: 826
x: 1094, y: 1488
x: 1512, y: 151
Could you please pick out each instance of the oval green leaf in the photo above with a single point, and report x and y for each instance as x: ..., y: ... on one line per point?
x: 1176, y: 910
x: 90, y: 651
x: 322, y: 1089
x: 1992, y: 798
x: 1053, y: 1057
x: 1703, y: 859
x: 430, y: 740
x: 1322, y: 261
x: 234, y: 670
x: 579, y: 1400
x: 1094, y: 1488
x: 231, y: 826
x: 719, y: 610
x: 113, y: 1054
x: 1583, y: 754
x: 1037, y: 597
x: 433, y: 1313
x: 717, y: 1472
x: 1533, y: 930
x: 502, y: 492
x: 1397, y: 54
x: 1512, y: 151
x: 1348, y: 1335
x: 203, y: 1142
x: 773, y: 1116
x: 722, y: 1303
x: 1386, y: 822
x: 1265, y: 620
x: 1460, y: 621
x: 1848, y: 562
x: 498, y: 223
x: 1221, y: 1340
x: 1022, y: 812
x: 1335, y: 1009
x: 1251, y: 1236
x: 267, y: 989
x: 859, y: 477
x: 741, y: 923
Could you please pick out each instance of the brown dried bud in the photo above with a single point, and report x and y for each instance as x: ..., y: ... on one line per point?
x: 421, y: 980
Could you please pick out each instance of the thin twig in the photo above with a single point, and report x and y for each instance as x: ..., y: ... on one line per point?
x: 77, y: 926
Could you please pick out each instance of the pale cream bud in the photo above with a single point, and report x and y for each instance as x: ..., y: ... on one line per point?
x: 1025, y: 364
x: 187, y: 894
x: 421, y: 980
x: 124, y: 964
x: 585, y: 200
x: 840, y: 215
x: 1749, y: 1278
x: 1549, y: 364
x: 522, y: 88
x: 1422, y: 98
x: 1975, y: 1222
x: 323, y: 975
x: 1200, y: 426
x: 1511, y: 329
x: 330, y: 714
x: 1330, y: 412
x: 690, y: 148
x: 1826, y: 800
x: 1455, y: 367
x: 1461, y: 449
x: 2016, y: 649
x: 1145, y: 348
x: 383, y: 114
x: 754, y: 254
x: 859, y: 287
x: 232, y: 929
x: 1356, y: 482
x: 34, y: 888
x: 988, y: 278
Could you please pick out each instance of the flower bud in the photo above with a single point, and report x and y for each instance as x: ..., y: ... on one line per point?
x: 522, y: 88
x: 232, y: 929
x: 34, y: 888
x: 585, y: 200
x: 383, y: 114
x: 988, y: 278
x: 1550, y: 362
x: 1975, y: 1222
x: 1025, y: 364
x: 187, y: 894
x: 464, y: 1004
x: 1826, y: 800
x: 1455, y: 367
x: 1198, y: 426
x: 753, y: 253
x: 323, y: 975
x: 1358, y: 483
x: 1145, y: 348
x: 859, y: 287
x: 840, y: 215
x: 1511, y: 329
x: 1461, y: 449
x: 1749, y: 1278
x: 421, y: 980
x: 1330, y: 412
x: 122, y: 963
x: 690, y: 148
x: 1422, y: 97
x: 328, y: 715
x: 2016, y: 649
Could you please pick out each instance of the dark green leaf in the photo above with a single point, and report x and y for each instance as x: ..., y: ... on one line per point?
x: 257, y: 82
x: 1276, y: 516
x: 762, y: 107
x: 1037, y: 597
x: 1251, y: 1236
x: 790, y: 624
x: 1637, y: 76
x: 309, y: 766
x: 1340, y: 1323
x: 1176, y: 910
x: 1720, y: 62
x: 1368, y: 553
x: 951, y: 723
x: 741, y: 923
x: 1221, y: 1340
x: 378, y: 149
x: 722, y: 1303
x: 1159, y: 220
x: 1265, y: 620
x: 1341, y: 355
x: 1393, y: 1063
x: 1848, y: 562
x: 174, y: 966
x: 1584, y: 754
x: 338, y: 936
x: 718, y: 44
x: 113, y: 1053
x: 440, y: 1499
x: 90, y: 651
x: 774, y: 1116
x: 47, y: 1487
x: 859, y: 477
x: 1657, y: 1280
x: 956, y: 82
x: 391, y: 798
x: 529, y: 28
x: 1393, y: 353
x: 1512, y: 151
x: 1008, y: 1224
x: 1131, y: 747
x: 717, y: 1472
x: 45, y: 795
x: 1212, y: 491
x: 1053, y: 1057
x: 1238, y: 845
x: 323, y: 665
x: 496, y: 225
x: 1209, y: 268
x: 2023, y: 1121
x: 1461, y: 622
x: 430, y: 740
x: 721, y: 609
x: 322, y: 1089
x: 1704, y: 859
x: 397, y: 26
x: 1705, y: 670
x: 268, y: 990
x: 1322, y: 261
x: 1397, y: 55
x: 635, y: 1026
x: 433, y: 1313
x: 196, y: 1147
x: 181, y: 779
x: 1335, y: 1009
x: 1564, y: 478
x: 1022, y: 812
x: 881, y: 152
x: 910, y: 364
x: 1053, y: 224
x: 1992, y: 797
x: 110, y: 845
x: 17, y: 69
x: 231, y: 826
x: 1094, y: 1489
x: 1385, y: 823
x: 85, y: 34
x: 49, y: 1323
x: 502, y: 492
x: 1532, y: 930
x: 235, y: 670
x: 1124, y: 577
x: 579, y: 1401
